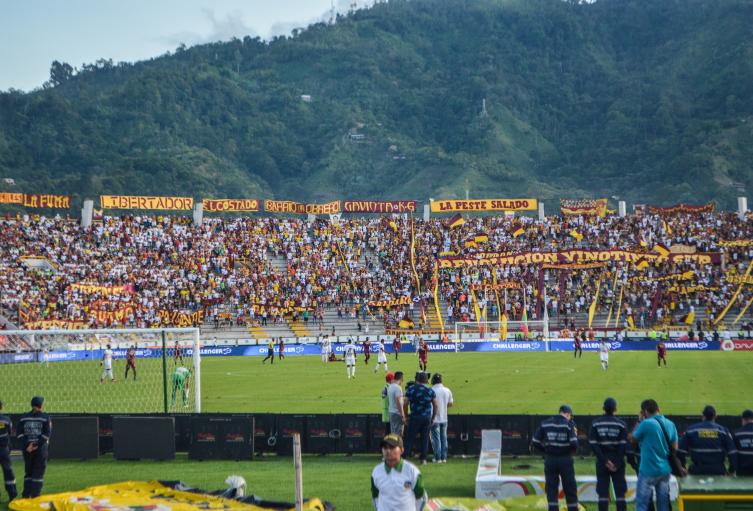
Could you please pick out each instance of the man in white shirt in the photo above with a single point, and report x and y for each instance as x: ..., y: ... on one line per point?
x: 604, y: 354
x: 396, y: 484
x: 107, y: 363
x: 439, y: 427
x: 381, y: 357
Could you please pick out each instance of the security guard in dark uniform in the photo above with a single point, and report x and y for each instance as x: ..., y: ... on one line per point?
x: 743, y: 438
x: 608, y: 440
x: 34, y: 429
x: 707, y: 442
x: 5, y: 435
x: 557, y: 438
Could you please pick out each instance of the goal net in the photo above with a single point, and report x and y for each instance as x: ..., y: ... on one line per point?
x: 102, y: 371
x: 494, y: 330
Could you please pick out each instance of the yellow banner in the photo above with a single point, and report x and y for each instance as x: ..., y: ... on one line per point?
x: 230, y: 205
x: 571, y: 257
x: 686, y: 290
x: 736, y: 243
x: 144, y: 495
x: 11, y: 198
x: 405, y: 300
x: 496, y: 286
x: 452, y: 206
x: 298, y: 208
x: 181, y: 319
x: 738, y: 279
x: 144, y: 202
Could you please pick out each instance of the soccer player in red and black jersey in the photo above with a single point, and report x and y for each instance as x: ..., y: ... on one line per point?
x: 281, y: 354
x: 661, y: 353
x: 396, y: 346
x: 178, y: 354
x: 131, y: 362
x: 423, y: 355
x: 578, y: 347
x: 366, y: 351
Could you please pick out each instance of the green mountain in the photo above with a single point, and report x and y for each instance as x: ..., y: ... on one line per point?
x: 647, y: 100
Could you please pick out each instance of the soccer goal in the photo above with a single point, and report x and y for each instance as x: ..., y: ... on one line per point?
x: 493, y: 330
x: 150, y: 370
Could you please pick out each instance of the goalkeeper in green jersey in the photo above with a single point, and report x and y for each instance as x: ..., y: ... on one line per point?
x: 181, y: 377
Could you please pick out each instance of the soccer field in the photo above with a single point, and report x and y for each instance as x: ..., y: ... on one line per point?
x: 482, y: 383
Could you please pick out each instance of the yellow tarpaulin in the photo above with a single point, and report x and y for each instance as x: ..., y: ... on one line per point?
x: 138, y: 495
x: 529, y: 503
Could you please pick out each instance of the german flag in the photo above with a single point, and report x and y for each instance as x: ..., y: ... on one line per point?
x: 517, y: 230
x: 481, y: 237
x: 642, y: 264
x: 456, y: 221
x: 661, y: 250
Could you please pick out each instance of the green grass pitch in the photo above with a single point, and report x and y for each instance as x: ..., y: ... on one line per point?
x: 482, y: 383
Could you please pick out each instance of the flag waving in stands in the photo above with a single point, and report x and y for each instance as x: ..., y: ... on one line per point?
x: 661, y: 249
x: 689, y: 318
x: 393, y: 225
x: 524, y: 317
x: 592, y: 307
x: 456, y: 221
x: 481, y: 237
x: 517, y: 230
x: 575, y: 234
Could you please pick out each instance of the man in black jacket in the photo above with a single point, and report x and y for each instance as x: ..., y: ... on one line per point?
x: 557, y: 438
x: 608, y: 441
x: 34, y: 429
x: 5, y: 435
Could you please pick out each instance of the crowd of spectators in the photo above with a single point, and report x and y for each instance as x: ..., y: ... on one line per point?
x: 145, y: 267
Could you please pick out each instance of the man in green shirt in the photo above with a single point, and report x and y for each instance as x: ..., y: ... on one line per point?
x: 181, y: 377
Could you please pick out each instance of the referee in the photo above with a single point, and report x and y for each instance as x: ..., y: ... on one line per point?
x: 557, y: 438
x: 608, y: 440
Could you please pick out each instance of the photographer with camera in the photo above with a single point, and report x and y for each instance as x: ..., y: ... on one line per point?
x: 423, y: 412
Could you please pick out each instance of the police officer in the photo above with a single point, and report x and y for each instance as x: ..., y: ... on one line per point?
x: 608, y: 440
x: 557, y: 438
x: 8, y: 476
x: 744, y: 443
x: 34, y: 429
x: 707, y: 442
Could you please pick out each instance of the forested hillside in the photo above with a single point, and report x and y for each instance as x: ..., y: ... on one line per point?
x: 648, y: 100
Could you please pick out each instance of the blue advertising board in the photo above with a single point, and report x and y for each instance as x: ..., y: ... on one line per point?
x: 337, y: 348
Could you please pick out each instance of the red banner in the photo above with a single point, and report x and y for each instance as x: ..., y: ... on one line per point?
x: 743, y: 344
x: 682, y: 209
x: 371, y: 206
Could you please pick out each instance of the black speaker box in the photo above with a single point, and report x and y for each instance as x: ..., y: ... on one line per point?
x: 354, y: 433
x: 75, y: 438
x: 225, y: 438
x: 143, y: 438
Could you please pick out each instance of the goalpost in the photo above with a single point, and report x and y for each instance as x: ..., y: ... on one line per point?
x: 493, y: 330
x: 66, y: 367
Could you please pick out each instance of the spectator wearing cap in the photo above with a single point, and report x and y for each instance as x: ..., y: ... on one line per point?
x: 557, y: 438
x: 652, y: 431
x: 744, y: 444
x: 5, y: 435
x: 608, y: 440
x: 34, y: 430
x: 439, y: 426
x: 423, y: 412
x: 707, y: 443
x: 386, y: 401
x: 396, y: 484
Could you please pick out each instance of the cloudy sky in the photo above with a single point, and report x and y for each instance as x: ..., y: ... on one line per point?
x: 33, y: 33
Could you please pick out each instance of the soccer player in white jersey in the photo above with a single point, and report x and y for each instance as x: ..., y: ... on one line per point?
x: 326, y: 349
x: 45, y: 358
x: 381, y: 357
x: 350, y: 359
x: 107, y: 363
x: 604, y: 354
